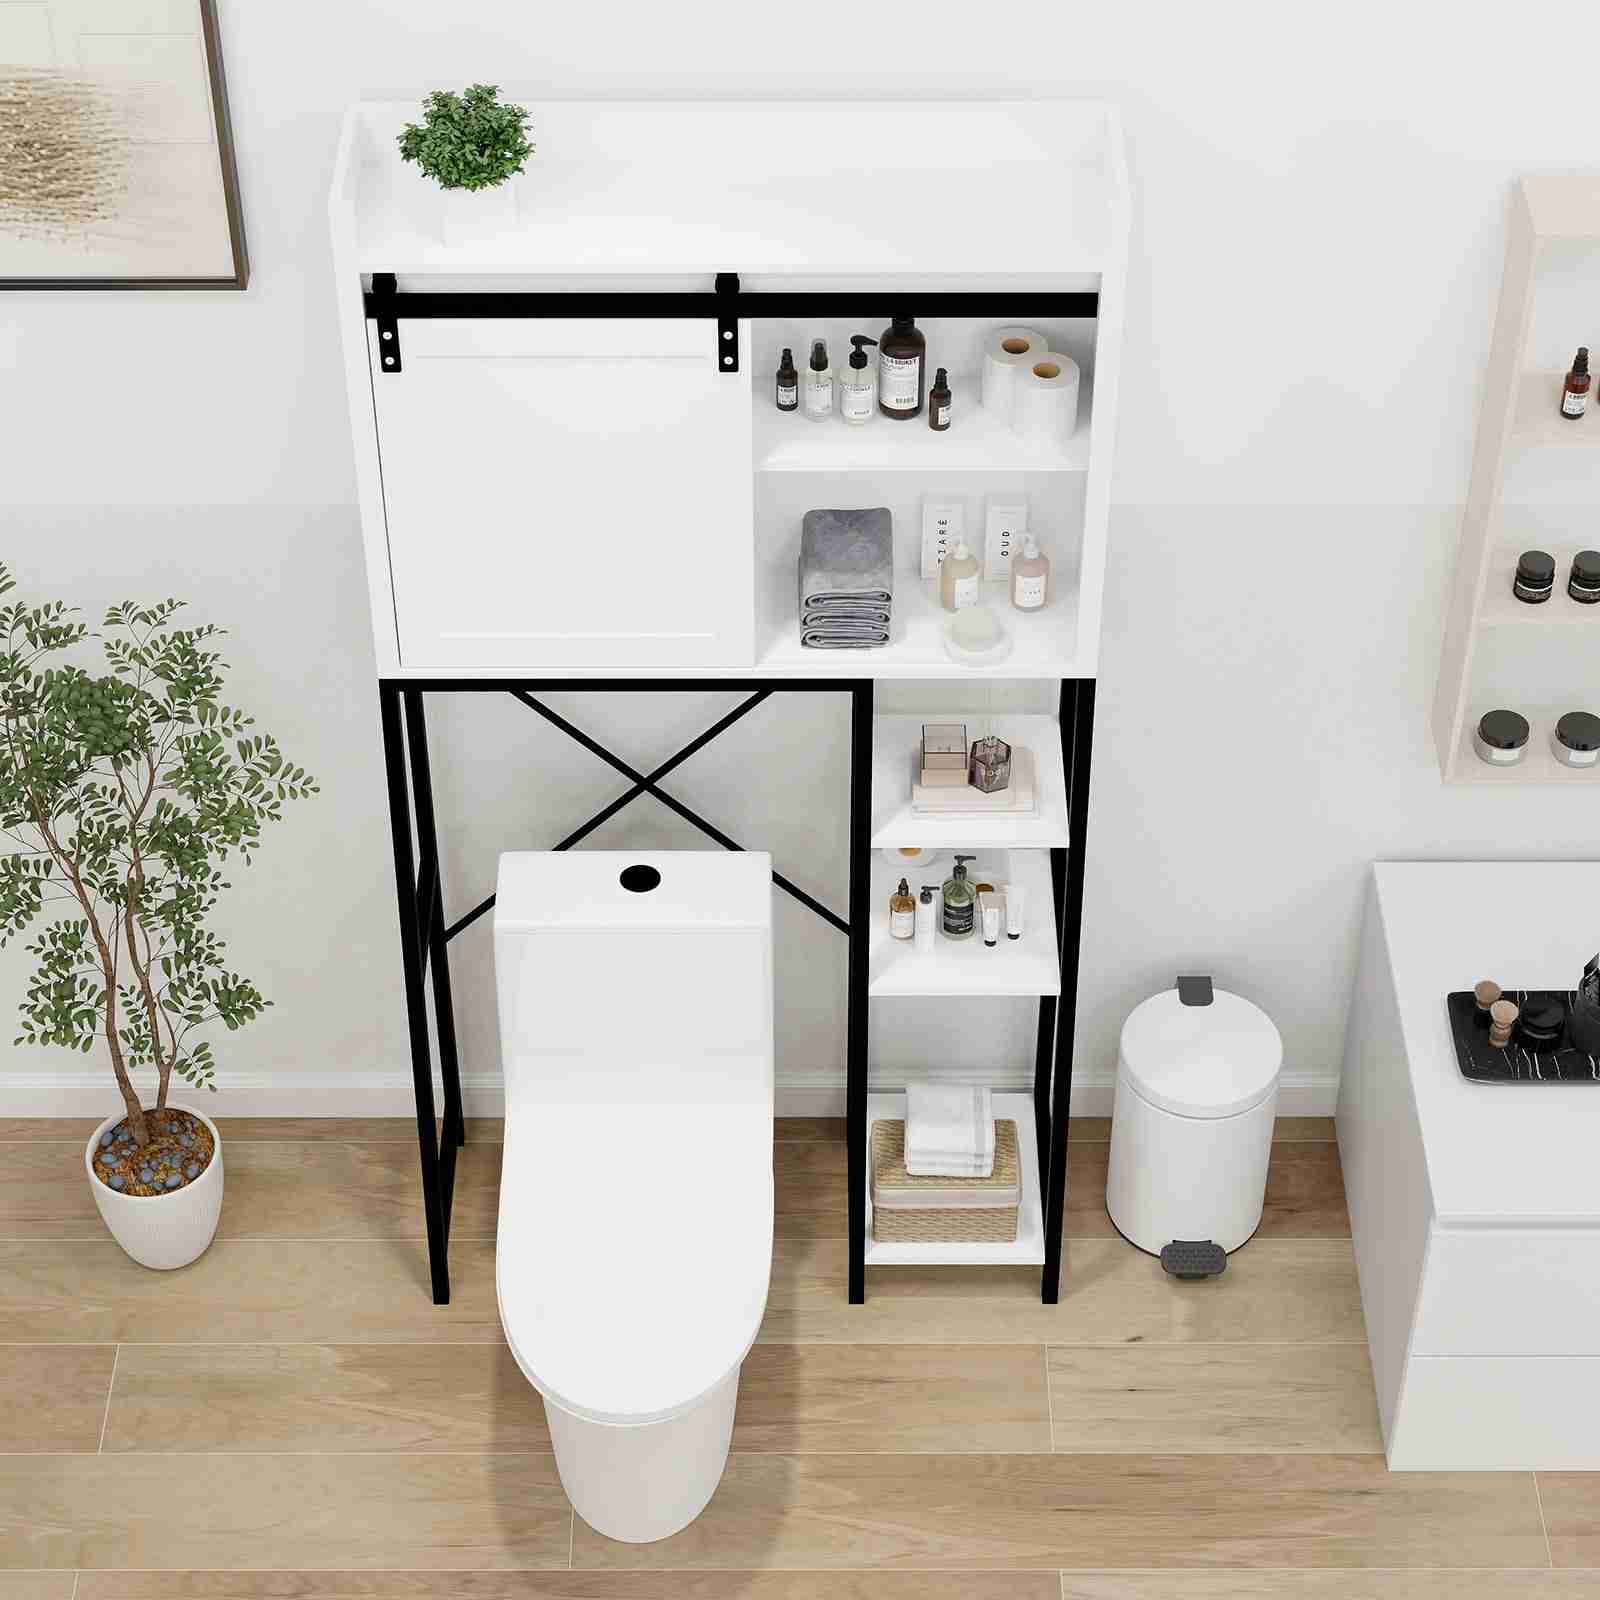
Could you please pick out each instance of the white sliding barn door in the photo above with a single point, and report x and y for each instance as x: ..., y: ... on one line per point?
x: 567, y: 494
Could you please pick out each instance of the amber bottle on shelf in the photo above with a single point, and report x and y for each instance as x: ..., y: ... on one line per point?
x: 939, y: 402
x: 788, y: 393
x: 1575, y: 387
x: 902, y: 374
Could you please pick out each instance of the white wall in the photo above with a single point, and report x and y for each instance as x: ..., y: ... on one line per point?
x: 1318, y: 226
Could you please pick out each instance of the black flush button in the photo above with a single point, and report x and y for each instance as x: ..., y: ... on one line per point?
x: 639, y: 879
x: 1195, y: 991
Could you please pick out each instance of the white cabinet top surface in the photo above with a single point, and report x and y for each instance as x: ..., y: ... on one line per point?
x: 786, y: 188
x: 1496, y: 1153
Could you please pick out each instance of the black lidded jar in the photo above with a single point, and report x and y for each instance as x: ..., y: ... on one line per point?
x: 1576, y: 739
x: 1583, y: 582
x: 902, y: 369
x: 1501, y: 738
x: 1541, y: 1024
x: 1535, y: 581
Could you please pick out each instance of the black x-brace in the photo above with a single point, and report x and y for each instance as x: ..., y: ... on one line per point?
x: 425, y: 934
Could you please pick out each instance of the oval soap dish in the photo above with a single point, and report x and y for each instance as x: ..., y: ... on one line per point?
x: 976, y: 637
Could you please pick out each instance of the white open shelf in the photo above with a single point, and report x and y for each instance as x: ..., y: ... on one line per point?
x: 896, y: 759
x: 1501, y: 608
x: 1497, y: 651
x: 1025, y: 966
x: 1539, y: 765
x: 1028, y: 1248
x: 976, y: 441
x: 1043, y: 643
x: 769, y: 186
x: 1538, y: 418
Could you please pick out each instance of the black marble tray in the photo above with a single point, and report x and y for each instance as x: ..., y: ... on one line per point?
x: 1480, y: 1063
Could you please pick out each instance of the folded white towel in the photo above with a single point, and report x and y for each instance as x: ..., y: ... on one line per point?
x: 949, y: 1131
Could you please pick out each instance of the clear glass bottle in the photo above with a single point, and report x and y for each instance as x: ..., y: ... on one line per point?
x: 816, y: 387
x: 960, y: 911
x: 902, y: 912
x: 958, y: 578
x: 858, y: 388
x: 1030, y: 577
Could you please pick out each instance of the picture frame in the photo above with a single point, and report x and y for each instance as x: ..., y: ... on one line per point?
x: 117, y: 164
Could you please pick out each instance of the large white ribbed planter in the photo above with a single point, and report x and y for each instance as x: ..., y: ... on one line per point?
x: 161, y: 1230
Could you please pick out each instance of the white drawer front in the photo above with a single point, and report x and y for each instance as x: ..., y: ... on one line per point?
x: 1510, y: 1292
x: 1498, y: 1414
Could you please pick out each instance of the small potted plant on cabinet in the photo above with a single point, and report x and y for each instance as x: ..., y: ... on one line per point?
x: 471, y: 145
x: 122, y: 796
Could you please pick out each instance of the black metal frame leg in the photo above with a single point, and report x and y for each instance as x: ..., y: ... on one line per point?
x: 857, y: 1032
x: 1077, y: 746
x: 414, y: 943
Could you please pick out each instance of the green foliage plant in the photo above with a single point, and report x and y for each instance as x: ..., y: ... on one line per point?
x: 122, y: 796
x: 469, y: 140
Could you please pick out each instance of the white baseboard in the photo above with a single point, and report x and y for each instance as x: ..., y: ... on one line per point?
x: 389, y: 1094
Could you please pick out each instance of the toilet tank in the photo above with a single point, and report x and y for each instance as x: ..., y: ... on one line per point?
x: 636, y: 978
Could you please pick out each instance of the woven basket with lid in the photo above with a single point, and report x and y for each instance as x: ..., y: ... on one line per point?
x: 912, y: 1210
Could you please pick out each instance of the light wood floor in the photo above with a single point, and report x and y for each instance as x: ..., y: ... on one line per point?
x: 292, y: 1419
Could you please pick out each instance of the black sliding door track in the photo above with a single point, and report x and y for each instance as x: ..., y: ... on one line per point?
x: 385, y: 300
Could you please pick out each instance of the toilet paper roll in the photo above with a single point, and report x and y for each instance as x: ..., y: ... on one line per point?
x: 1007, y: 353
x: 1046, y: 410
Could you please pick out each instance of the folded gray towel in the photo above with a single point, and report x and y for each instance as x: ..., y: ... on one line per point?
x: 824, y: 617
x: 835, y: 639
x: 846, y: 557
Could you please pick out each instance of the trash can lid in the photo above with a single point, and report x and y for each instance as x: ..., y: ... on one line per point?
x: 1213, y: 1060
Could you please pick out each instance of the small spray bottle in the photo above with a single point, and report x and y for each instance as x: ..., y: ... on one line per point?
x: 816, y: 388
x: 858, y: 389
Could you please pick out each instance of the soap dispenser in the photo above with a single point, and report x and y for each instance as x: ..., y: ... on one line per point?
x: 960, y: 902
x: 958, y: 578
x: 927, y: 918
x: 816, y: 391
x: 902, y: 357
x: 858, y: 390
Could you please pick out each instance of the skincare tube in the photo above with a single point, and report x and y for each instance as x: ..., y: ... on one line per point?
x: 1013, y: 911
x: 991, y: 923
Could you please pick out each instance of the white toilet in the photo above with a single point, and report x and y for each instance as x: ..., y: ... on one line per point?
x: 635, y: 1233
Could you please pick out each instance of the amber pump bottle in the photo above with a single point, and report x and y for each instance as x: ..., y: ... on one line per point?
x: 1575, y: 387
x: 902, y: 375
x: 788, y: 391
x: 939, y: 402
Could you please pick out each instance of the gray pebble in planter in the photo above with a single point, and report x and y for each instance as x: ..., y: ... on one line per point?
x: 147, y: 1176
x: 186, y: 1139
x: 106, y: 1137
x: 192, y: 1170
x: 116, y: 1180
x: 173, y: 1181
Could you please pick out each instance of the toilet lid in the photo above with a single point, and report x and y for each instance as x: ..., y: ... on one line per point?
x: 1212, y: 1060
x: 632, y: 1266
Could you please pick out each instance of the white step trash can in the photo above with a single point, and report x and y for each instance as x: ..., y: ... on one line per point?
x: 1191, y: 1128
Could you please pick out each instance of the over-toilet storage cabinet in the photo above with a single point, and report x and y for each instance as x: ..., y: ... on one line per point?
x: 572, y: 476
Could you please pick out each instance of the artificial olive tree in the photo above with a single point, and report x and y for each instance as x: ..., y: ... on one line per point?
x: 122, y: 795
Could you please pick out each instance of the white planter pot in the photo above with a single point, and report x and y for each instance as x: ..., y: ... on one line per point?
x: 161, y: 1230
x: 463, y: 216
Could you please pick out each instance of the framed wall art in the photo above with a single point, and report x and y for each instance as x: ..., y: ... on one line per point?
x: 116, y: 161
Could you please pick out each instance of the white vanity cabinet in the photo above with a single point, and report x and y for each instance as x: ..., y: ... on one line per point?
x: 1474, y: 1207
x: 572, y: 490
